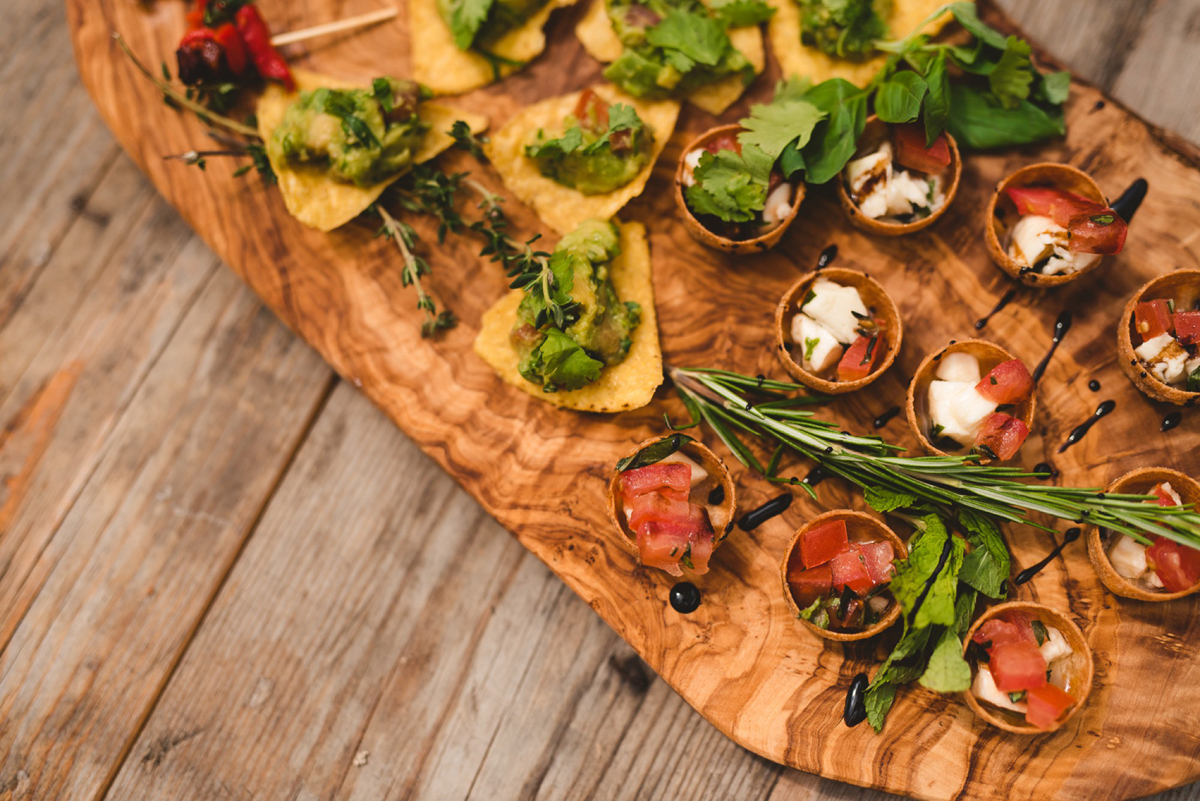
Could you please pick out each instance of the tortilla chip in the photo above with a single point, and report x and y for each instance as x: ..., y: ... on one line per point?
x: 596, y: 33
x: 561, y: 207
x: 798, y: 59
x: 440, y: 65
x: 628, y: 385
x: 317, y: 200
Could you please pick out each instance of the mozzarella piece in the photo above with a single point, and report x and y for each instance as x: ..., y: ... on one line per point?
x: 905, y: 192
x: 1192, y: 366
x: 1151, y: 578
x: 1128, y: 557
x: 822, y: 355
x: 1033, y: 238
x: 834, y: 306
x: 971, y: 409
x: 959, y: 366
x: 959, y: 409
x: 778, y: 204
x: 1055, y: 646
x: 984, y: 688
x: 690, y: 162
x: 698, y: 472
x: 1149, y: 349
x: 1171, y: 493
x: 1170, y: 365
x: 860, y: 172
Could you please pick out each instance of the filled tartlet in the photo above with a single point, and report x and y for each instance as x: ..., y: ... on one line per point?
x: 837, y: 330
x: 673, y: 502
x: 1158, y: 338
x: 1140, y: 568
x: 752, y: 221
x: 895, y: 184
x: 1031, y: 668
x: 836, y: 575
x: 1048, y: 224
x: 972, y: 396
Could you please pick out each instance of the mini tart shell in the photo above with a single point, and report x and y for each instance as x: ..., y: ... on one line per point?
x: 860, y: 521
x: 1134, y: 482
x: 697, y: 451
x: 873, y: 295
x: 1081, y: 679
x: 1182, y: 286
x: 1056, y: 176
x: 989, y: 355
x: 702, y: 234
x: 875, y: 131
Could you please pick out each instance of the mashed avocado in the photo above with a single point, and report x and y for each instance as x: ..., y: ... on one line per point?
x: 361, y: 136
x: 479, y: 23
x: 602, y: 147
x: 595, y: 331
x: 844, y: 28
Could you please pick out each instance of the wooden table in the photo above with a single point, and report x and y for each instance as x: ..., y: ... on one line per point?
x: 223, y: 574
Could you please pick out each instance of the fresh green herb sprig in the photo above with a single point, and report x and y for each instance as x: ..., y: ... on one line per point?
x: 465, y: 139
x: 413, y: 268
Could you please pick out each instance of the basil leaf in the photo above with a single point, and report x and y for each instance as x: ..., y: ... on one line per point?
x: 968, y: 17
x: 937, y: 101
x: 654, y: 453
x: 899, y: 98
x: 1039, y: 632
x: 978, y: 121
x: 835, y: 138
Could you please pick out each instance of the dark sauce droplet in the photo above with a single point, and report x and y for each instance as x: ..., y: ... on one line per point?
x: 1171, y: 421
x: 1045, y: 470
x: 887, y: 417
x: 932, y: 577
x: 815, y: 476
x: 1005, y: 299
x: 1069, y: 536
x: 827, y: 256
x: 1131, y: 199
x: 856, y: 701
x: 1061, y: 326
x: 716, y: 496
x: 1094, y: 385
x: 685, y: 598
x: 756, y: 517
x: 1103, y: 410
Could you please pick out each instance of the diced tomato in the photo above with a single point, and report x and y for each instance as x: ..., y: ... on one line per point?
x: 1017, y: 666
x: 655, y: 506
x: 1056, y: 204
x: 726, y: 141
x: 654, y: 477
x: 995, y: 632
x: 1022, y: 621
x: 1007, y: 382
x: 824, y: 542
x: 1002, y: 434
x: 1152, y: 318
x: 1177, y: 565
x: 849, y: 571
x: 665, y: 543
x: 592, y: 111
x: 878, y: 558
x: 1187, y: 327
x: 1046, y: 705
x: 1164, y: 497
x: 860, y: 358
x: 235, y: 50
x: 1100, y: 231
x: 912, y: 153
x: 809, y: 585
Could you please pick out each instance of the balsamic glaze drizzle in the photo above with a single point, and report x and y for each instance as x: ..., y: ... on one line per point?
x: 855, y: 711
x: 716, y: 496
x: 885, y: 418
x: 1061, y: 326
x: 1103, y: 410
x: 685, y: 598
x: 816, y: 476
x: 1094, y: 385
x: 1007, y: 297
x: 827, y: 256
x: 949, y: 546
x: 1069, y: 536
x: 1129, y: 201
x: 1045, y: 470
x: 1171, y: 421
x: 756, y: 517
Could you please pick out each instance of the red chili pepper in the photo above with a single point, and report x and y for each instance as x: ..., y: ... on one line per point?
x: 257, y: 36
x: 235, y: 50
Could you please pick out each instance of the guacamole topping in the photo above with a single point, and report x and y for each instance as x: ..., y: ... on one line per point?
x: 673, y: 47
x: 844, y: 28
x: 360, y: 136
x: 594, y: 332
x: 476, y: 24
x: 602, y: 147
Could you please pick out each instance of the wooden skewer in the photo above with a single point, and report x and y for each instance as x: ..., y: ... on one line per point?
x: 333, y: 27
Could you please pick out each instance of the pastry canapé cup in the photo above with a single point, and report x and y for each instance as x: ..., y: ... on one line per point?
x: 860, y: 526
x: 989, y: 355
x: 1181, y: 286
x: 1002, y: 215
x: 874, y: 296
x: 699, y: 453
x: 1139, y: 482
x: 1081, y: 670
x: 875, y: 131
x: 713, y: 240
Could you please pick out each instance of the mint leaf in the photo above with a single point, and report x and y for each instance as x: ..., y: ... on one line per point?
x: 947, y: 672
x: 773, y: 126
x: 899, y: 98
x: 700, y: 38
x: 925, y: 561
x: 1013, y: 74
x: 987, y: 566
x: 885, y: 500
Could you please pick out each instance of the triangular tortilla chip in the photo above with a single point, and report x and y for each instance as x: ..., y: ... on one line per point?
x: 628, y: 385
x: 317, y: 200
x: 440, y: 65
x: 799, y: 59
x: 561, y: 207
x: 596, y: 33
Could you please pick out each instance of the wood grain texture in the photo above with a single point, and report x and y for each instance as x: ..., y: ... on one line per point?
x: 370, y: 333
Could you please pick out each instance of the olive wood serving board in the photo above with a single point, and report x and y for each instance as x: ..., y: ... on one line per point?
x: 739, y: 659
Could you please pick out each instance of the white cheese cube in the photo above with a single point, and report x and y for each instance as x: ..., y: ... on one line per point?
x: 1033, y: 238
x: 971, y: 409
x: 778, y: 204
x: 1128, y: 557
x: 834, y: 306
x: 1152, y: 579
x: 1171, y: 493
x: 861, y: 171
x: 875, y: 205
x: 943, y: 397
x: 959, y: 366
x: 819, y: 349
x: 1055, y: 646
x: 1148, y: 350
x: 1170, y: 364
x: 1066, y: 261
x: 984, y: 688
x: 906, y: 193
x: 698, y: 472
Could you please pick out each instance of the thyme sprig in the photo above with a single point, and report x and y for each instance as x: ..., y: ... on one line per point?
x: 413, y: 268
x: 952, y: 483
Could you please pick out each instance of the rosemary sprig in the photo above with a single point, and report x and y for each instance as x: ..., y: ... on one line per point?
x: 414, y: 267
x: 723, y: 400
